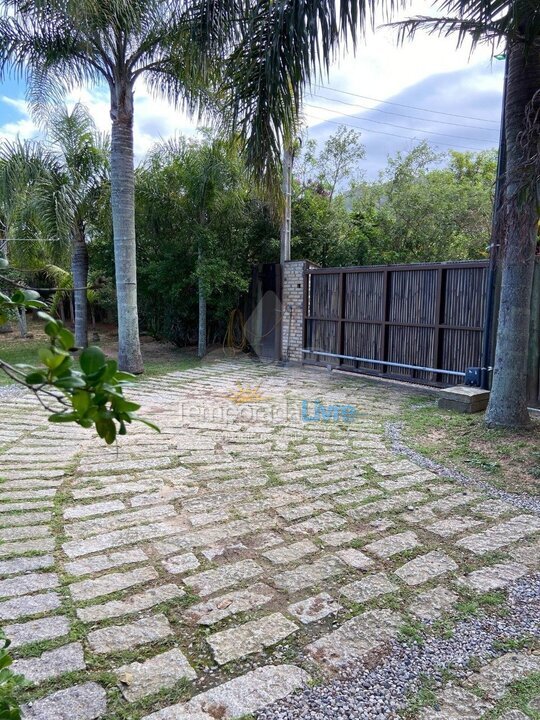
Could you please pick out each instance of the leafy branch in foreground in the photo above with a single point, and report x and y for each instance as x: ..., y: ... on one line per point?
x: 9, y: 682
x: 91, y: 396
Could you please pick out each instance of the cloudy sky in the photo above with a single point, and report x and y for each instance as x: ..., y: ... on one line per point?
x: 395, y: 96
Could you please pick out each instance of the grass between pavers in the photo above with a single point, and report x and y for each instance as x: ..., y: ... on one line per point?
x: 508, y: 459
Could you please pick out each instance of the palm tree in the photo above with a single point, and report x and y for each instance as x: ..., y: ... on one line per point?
x: 60, y: 44
x: 23, y: 165
x: 516, y: 25
x: 66, y: 199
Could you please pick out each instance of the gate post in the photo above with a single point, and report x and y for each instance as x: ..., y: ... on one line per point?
x: 292, y: 309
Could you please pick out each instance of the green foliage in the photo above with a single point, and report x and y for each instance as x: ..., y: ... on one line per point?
x: 196, y: 217
x: 20, y: 298
x: 9, y: 683
x: 425, y: 207
x: 91, y: 396
x: 422, y: 211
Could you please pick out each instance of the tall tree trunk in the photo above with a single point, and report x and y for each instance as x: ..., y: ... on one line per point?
x: 123, y: 214
x: 23, y: 328
x: 79, y: 270
x: 201, y: 350
x: 508, y: 400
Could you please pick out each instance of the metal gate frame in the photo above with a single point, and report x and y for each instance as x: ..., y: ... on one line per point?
x: 337, y: 360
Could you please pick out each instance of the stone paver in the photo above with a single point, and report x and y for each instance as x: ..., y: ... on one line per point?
x: 229, y: 533
x: 132, y: 604
x: 453, y: 526
x: 178, y: 564
x: 124, y: 637
x: 527, y: 554
x: 369, y: 588
x: 216, y: 609
x: 25, y: 564
x: 493, y: 577
x: 501, y: 535
x: 28, y: 605
x: 290, y: 553
x: 251, y: 637
x: 314, y: 608
x: 495, y: 677
x: 431, y: 604
x: 211, y: 581
x: 355, y: 639
x: 84, y: 702
x: 355, y: 558
x: 305, y: 576
x: 158, y: 673
x: 457, y: 704
x: 242, y: 696
x: 97, y: 563
x: 47, y: 628
x: 426, y: 567
x: 102, y: 508
x: 107, y: 584
x: 393, y: 544
x: 52, y: 663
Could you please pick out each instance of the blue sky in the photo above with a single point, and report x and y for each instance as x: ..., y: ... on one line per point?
x: 429, y: 73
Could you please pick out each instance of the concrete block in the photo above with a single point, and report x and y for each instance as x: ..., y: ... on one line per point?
x: 463, y: 399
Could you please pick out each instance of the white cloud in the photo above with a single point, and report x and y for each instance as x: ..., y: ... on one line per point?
x: 380, y: 70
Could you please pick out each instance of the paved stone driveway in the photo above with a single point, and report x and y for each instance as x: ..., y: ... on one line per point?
x: 242, y: 553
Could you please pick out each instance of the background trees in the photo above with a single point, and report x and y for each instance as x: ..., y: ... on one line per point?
x: 58, y: 45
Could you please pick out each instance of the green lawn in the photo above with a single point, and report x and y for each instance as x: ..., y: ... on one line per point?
x: 159, y: 358
x: 14, y: 352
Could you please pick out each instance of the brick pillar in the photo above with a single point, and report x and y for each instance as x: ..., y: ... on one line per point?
x: 292, y: 308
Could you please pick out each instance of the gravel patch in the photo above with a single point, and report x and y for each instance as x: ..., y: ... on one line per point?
x: 523, y: 501
x: 380, y: 694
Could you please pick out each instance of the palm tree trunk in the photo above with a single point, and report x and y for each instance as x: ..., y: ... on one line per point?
x: 508, y: 400
x: 23, y: 328
x: 79, y: 270
x: 201, y: 350
x: 123, y: 214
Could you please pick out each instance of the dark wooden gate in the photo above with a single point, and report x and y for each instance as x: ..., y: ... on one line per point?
x: 427, y: 315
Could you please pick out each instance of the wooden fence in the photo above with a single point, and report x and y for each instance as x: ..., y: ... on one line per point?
x: 426, y: 315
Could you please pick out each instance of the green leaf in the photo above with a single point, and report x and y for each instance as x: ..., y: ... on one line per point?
x: 35, y: 378
x: 112, y: 367
x: 69, y: 382
x: 52, y: 328
x: 92, y: 359
x: 66, y: 337
x: 146, y: 422
x: 63, y: 417
x: 31, y: 295
x: 125, y: 376
x: 81, y: 401
x: 18, y: 297
x: 3, y: 263
x: 106, y: 429
x: 48, y: 319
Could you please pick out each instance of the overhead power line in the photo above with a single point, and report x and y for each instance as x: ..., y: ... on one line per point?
x: 401, y: 127
x: 390, y: 134
x: 410, y: 107
x: 410, y: 117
